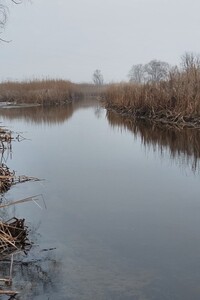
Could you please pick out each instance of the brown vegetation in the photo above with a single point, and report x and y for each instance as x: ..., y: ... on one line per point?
x: 175, y: 100
x: 44, y: 92
x: 13, y: 237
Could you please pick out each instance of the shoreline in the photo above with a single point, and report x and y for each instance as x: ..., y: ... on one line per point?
x: 177, y: 121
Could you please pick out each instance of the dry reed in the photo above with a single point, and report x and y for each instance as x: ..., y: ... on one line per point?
x: 42, y: 92
x: 175, y: 101
x: 13, y: 237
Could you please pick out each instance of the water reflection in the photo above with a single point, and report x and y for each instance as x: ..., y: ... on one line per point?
x: 34, y: 273
x: 34, y: 279
x: 48, y: 115
x: 183, y: 145
x: 125, y: 226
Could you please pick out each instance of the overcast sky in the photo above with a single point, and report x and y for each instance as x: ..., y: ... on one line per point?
x: 70, y: 39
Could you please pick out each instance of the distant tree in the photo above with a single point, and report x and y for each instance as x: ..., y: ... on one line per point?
x: 190, y: 61
x: 97, y: 77
x: 136, y: 73
x: 156, y: 71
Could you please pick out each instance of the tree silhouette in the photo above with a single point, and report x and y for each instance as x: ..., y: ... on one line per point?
x: 97, y: 77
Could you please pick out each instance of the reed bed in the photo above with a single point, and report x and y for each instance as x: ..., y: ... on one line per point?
x: 6, y: 178
x: 39, y: 92
x: 173, y: 101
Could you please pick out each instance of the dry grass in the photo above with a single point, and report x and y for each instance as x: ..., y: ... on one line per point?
x: 176, y: 100
x: 44, y: 92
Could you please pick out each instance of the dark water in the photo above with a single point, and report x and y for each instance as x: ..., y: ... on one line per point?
x: 123, y: 205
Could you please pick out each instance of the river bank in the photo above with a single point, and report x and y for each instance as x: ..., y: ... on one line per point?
x: 162, y: 118
x: 48, y: 92
x: 174, y: 101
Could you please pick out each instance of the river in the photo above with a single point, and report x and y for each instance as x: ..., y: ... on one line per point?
x: 123, y: 210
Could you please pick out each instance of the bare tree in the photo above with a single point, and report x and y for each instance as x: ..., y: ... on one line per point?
x: 136, y: 73
x: 156, y: 71
x: 190, y: 61
x: 4, y: 14
x: 97, y: 77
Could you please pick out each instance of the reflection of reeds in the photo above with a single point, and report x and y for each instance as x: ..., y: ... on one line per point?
x: 38, y: 114
x: 47, y: 114
x: 175, y: 101
x: 183, y: 145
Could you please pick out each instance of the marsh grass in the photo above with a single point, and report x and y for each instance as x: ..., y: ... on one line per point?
x: 47, y: 92
x: 43, y: 92
x: 176, y: 100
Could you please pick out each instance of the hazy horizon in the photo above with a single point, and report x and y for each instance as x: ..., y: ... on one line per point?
x: 69, y: 40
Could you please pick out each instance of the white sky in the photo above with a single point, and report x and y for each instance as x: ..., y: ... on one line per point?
x: 70, y: 39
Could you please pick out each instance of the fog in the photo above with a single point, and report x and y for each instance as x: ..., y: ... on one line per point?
x: 70, y: 39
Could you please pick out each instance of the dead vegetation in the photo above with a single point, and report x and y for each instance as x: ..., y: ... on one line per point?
x: 13, y: 237
x: 13, y: 232
x: 175, y: 100
x: 39, y: 92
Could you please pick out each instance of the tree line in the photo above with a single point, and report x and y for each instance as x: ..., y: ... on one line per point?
x: 156, y: 70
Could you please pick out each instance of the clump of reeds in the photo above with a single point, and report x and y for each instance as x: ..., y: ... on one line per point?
x: 13, y: 237
x: 42, y: 92
x: 6, y: 178
x: 175, y: 100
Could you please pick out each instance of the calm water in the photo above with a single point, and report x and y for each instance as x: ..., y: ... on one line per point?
x: 123, y: 206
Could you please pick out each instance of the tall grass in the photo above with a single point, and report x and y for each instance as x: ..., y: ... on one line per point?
x: 176, y: 100
x: 45, y: 92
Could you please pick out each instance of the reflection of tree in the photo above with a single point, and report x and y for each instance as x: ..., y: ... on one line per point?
x: 183, y: 145
x: 98, y: 111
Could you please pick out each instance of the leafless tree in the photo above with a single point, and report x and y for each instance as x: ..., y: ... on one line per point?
x: 97, y: 77
x: 156, y: 71
x: 136, y: 73
x: 4, y: 14
x: 190, y: 61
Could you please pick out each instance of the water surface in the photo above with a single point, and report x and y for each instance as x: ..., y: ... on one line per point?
x: 122, y: 202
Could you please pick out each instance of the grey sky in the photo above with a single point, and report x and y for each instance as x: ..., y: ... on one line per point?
x: 70, y: 39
